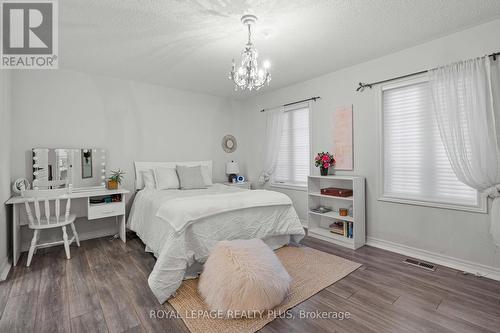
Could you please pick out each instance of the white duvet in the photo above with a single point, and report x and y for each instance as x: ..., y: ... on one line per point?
x: 177, y: 252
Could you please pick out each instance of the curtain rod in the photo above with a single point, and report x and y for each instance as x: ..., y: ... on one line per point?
x: 297, y: 102
x: 362, y: 86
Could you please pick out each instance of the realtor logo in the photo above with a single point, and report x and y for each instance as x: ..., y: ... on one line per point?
x: 29, y: 34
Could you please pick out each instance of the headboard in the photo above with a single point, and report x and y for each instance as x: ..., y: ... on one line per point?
x: 141, y: 166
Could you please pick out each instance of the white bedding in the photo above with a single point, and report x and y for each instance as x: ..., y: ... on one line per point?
x: 180, y: 212
x: 178, y: 251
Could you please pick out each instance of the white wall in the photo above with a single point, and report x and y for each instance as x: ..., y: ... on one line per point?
x: 451, y: 233
x: 133, y: 121
x: 5, y: 111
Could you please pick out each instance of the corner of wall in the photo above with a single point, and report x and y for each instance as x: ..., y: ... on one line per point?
x: 5, y: 153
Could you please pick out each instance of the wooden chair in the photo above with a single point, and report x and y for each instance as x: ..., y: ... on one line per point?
x: 44, y: 220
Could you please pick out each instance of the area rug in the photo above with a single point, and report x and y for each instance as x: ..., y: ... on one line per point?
x: 310, y: 269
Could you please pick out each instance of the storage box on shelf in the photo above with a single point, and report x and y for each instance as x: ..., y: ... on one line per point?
x: 319, y: 223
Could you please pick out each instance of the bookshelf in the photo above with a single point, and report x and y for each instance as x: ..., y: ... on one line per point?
x: 318, y: 226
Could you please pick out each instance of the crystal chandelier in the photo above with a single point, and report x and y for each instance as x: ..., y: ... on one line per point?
x: 249, y: 75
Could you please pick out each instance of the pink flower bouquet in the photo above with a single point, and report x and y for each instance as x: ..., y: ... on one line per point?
x: 324, y: 161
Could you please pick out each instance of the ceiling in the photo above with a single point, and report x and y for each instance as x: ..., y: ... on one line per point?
x: 189, y: 44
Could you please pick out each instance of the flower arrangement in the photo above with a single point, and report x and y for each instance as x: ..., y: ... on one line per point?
x: 115, y: 179
x: 324, y: 161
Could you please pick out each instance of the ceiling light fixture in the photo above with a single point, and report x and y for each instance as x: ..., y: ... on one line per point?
x: 249, y: 75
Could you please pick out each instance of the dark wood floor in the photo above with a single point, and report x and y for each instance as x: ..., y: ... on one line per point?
x: 104, y: 288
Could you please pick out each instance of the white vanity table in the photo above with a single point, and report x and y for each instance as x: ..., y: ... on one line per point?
x: 85, y: 209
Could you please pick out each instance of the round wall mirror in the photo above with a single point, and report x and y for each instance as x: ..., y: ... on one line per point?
x: 229, y: 143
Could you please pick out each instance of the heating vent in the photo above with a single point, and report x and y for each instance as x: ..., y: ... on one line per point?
x: 421, y: 264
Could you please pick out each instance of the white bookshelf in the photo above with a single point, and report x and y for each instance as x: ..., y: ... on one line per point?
x: 318, y: 223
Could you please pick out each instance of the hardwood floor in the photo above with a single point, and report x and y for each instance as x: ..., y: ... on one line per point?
x: 103, y: 288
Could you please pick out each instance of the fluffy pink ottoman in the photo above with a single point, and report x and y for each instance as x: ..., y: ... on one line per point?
x: 243, y: 275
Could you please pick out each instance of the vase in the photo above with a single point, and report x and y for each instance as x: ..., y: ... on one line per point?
x: 111, y: 185
x: 324, y: 171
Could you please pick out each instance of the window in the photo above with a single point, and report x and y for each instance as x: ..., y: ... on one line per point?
x: 415, y: 166
x: 294, y: 158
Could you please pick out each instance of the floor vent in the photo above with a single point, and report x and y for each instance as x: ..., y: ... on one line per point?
x: 421, y: 264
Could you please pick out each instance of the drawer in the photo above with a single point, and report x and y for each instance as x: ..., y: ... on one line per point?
x: 105, y: 210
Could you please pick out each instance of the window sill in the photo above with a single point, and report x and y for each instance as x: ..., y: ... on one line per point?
x: 288, y: 186
x: 482, y: 208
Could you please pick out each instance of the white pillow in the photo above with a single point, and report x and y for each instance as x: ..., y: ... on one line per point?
x: 207, y: 177
x: 166, y: 178
x: 190, y: 177
x: 148, y: 179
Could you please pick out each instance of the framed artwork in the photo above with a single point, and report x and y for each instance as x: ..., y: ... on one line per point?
x: 343, y: 138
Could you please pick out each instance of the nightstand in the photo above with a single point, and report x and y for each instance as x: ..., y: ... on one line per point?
x: 246, y: 185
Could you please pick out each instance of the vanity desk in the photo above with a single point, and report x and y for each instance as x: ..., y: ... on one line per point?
x: 85, y: 204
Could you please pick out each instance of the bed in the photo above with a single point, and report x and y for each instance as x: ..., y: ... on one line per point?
x: 180, y: 227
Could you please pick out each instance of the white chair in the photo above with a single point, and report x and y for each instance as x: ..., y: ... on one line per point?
x: 47, y: 221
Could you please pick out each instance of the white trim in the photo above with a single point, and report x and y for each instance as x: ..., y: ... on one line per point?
x: 4, y: 269
x: 482, y: 202
x: 481, y: 208
x: 290, y: 186
x: 440, y: 259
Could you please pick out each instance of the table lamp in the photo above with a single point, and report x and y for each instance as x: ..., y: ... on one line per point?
x: 232, y: 170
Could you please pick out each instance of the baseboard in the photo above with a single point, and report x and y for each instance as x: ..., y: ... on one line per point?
x: 436, y: 258
x: 4, y: 269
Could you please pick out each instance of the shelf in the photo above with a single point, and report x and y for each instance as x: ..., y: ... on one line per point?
x: 327, y: 234
x: 318, y: 222
x: 330, y: 196
x: 334, y: 215
x: 103, y: 203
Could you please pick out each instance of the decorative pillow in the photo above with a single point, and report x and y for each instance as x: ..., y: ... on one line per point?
x: 166, y: 178
x: 190, y: 177
x: 207, y: 177
x: 148, y: 179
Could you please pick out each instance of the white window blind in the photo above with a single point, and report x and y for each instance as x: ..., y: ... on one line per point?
x: 294, y: 157
x: 415, y: 163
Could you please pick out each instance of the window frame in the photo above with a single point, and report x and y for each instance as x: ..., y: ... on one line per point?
x: 481, y: 206
x: 295, y: 186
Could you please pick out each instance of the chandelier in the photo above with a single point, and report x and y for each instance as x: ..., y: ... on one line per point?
x: 249, y: 75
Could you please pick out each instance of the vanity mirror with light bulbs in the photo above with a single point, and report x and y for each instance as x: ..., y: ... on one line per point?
x: 82, y: 168
x: 99, y: 212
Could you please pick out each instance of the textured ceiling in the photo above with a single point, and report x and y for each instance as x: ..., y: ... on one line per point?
x: 189, y: 44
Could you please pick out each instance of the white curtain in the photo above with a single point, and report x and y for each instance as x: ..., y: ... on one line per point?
x: 464, y: 103
x: 274, y: 128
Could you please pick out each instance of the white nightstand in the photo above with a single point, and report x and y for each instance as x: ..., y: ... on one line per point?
x: 246, y: 185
